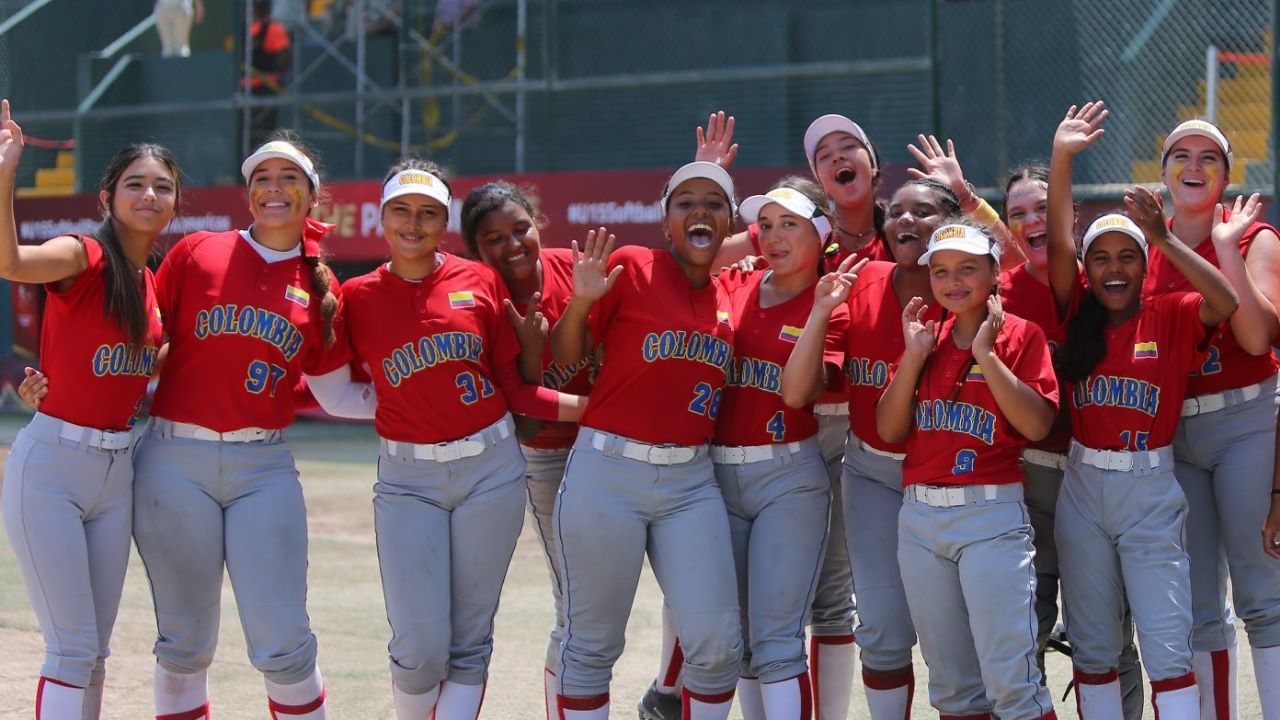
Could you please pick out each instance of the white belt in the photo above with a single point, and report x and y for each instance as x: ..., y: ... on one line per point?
x: 652, y: 454
x: 1118, y: 460
x: 1214, y: 402
x: 1044, y: 458
x: 469, y: 446
x: 198, y: 432
x: 95, y: 438
x: 862, y: 445
x: 948, y: 496
x: 744, y: 454
x: 831, y: 408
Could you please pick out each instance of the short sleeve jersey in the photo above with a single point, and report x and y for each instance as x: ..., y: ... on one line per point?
x: 1133, y: 398
x: 99, y: 376
x: 667, y: 352
x: 431, y: 347
x: 752, y: 411
x: 960, y: 435
x: 241, y: 333
x: 1226, y: 365
x: 557, y: 289
x: 1028, y: 298
x: 873, y: 347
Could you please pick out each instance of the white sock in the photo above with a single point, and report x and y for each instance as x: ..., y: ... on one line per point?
x: 458, y: 701
x: 749, y: 700
x: 58, y: 701
x: 699, y: 706
x: 178, y: 694
x: 671, y: 661
x: 593, y: 707
x: 414, y: 707
x: 890, y: 700
x: 1211, y: 669
x: 787, y: 699
x: 298, y: 701
x: 1098, y: 696
x: 1180, y: 704
x: 1266, y: 668
x: 833, y: 659
x: 550, y: 688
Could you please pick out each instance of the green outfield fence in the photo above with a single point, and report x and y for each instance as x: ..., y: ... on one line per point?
x: 498, y: 86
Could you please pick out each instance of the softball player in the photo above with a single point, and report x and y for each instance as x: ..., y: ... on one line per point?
x: 247, y: 313
x: 500, y: 227
x: 968, y: 393
x: 433, y: 331
x: 69, y: 477
x: 665, y: 330
x: 1225, y: 446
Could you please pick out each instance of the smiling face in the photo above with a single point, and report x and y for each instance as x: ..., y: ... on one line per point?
x: 914, y: 213
x: 961, y: 282
x: 280, y: 194
x: 413, y: 226
x: 1115, y: 267
x: 698, y: 219
x: 845, y: 169
x: 1026, y: 208
x: 144, y: 197
x: 507, y: 240
x: 1195, y: 171
x: 789, y: 242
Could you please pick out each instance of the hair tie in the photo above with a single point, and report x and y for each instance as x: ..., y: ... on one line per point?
x: 313, y: 232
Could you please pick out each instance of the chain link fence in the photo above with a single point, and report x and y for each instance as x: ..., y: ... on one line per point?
x: 501, y: 86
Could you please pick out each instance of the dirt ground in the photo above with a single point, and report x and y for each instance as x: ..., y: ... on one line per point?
x: 338, y: 469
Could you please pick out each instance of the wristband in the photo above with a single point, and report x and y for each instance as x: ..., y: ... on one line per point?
x: 1275, y: 491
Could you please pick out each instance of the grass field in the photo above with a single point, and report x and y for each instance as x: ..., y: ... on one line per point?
x: 338, y: 468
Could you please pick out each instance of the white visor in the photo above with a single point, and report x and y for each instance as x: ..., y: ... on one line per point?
x: 966, y: 239
x: 1203, y: 129
x: 415, y: 182
x: 285, y: 151
x: 828, y: 124
x: 1113, y: 222
x: 795, y: 202
x: 704, y: 170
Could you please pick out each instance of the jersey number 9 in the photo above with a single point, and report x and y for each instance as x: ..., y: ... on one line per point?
x: 263, y: 376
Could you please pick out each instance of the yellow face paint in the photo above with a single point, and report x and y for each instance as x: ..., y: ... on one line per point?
x: 1212, y: 172
x: 1016, y: 226
x: 1177, y: 168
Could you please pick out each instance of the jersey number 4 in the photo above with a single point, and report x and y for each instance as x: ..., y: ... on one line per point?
x: 706, y: 400
x: 777, y: 427
x: 263, y: 376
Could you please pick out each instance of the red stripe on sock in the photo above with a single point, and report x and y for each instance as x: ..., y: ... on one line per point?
x: 983, y: 716
x: 279, y: 707
x: 833, y: 639
x: 193, y: 714
x: 581, y: 702
x: 888, y: 680
x: 1220, y: 660
x: 1051, y: 715
x: 814, y: 682
x: 1175, y: 683
x: 706, y: 698
x: 1101, y: 678
x: 806, y: 697
x: 673, y: 666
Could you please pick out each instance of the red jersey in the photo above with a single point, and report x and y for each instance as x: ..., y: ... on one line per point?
x: 1226, y: 365
x: 241, y: 333
x: 1133, y: 398
x: 99, y: 377
x: 668, y: 349
x: 557, y: 289
x: 752, y: 412
x: 960, y: 436
x: 873, y: 347
x: 433, y: 344
x: 1028, y: 298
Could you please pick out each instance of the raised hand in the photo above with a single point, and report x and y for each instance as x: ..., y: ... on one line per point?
x: 532, y: 327
x: 716, y: 144
x: 1228, y: 231
x: 985, y: 339
x: 1147, y: 210
x: 833, y: 288
x: 1080, y: 128
x: 939, y: 165
x: 10, y: 140
x: 919, y: 336
x: 590, y: 279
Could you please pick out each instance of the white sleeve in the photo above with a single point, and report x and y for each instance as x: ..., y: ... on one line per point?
x: 341, y: 397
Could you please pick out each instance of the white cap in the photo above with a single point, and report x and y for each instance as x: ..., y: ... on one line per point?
x: 794, y: 201
x: 285, y: 151
x: 700, y: 169
x: 1113, y: 222
x: 1203, y: 128
x: 415, y: 182
x: 964, y: 238
x: 828, y: 124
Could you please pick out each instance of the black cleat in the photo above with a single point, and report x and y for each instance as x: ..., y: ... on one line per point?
x: 657, y: 705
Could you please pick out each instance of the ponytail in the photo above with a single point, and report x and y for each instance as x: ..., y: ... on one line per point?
x: 1086, y: 343
x: 122, y: 295
x: 322, y: 287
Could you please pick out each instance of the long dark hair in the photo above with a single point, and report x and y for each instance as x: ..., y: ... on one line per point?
x: 123, y: 300
x: 487, y: 198
x: 321, y: 276
x: 1086, y: 342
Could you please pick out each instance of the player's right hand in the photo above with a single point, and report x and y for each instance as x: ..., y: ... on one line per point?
x: 833, y: 288
x: 1080, y: 128
x: 33, y: 388
x: 590, y: 281
x: 1271, y: 529
x: 716, y: 145
x: 11, y: 143
x: 918, y: 336
x: 532, y: 327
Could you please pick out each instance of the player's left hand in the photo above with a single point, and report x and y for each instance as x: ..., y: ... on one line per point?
x: 591, y: 276
x: 985, y: 340
x: 1227, y: 232
x: 1146, y: 209
x: 532, y: 327
x: 716, y: 144
x: 1271, y: 529
x: 834, y: 287
x: 941, y: 167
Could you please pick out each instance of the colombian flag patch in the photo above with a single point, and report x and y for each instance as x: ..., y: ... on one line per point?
x: 1144, y: 350
x: 297, y: 295
x: 722, y: 316
x: 975, y: 374
x: 462, y: 299
x: 790, y: 333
